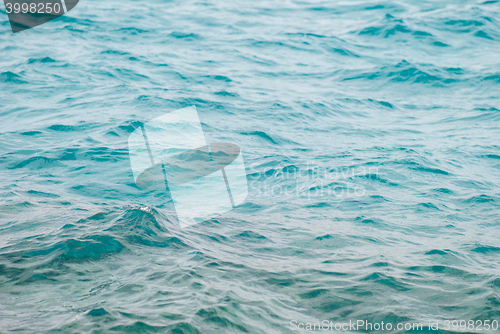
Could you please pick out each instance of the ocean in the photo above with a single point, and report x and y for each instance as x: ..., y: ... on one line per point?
x: 370, y: 133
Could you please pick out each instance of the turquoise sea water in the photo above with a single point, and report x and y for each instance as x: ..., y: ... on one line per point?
x: 370, y: 131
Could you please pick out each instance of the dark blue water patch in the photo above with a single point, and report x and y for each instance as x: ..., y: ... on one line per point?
x: 138, y: 327
x: 38, y: 162
x: 306, y: 35
x: 129, y: 74
x: 455, y: 70
x: 63, y: 128
x: 442, y: 269
x: 31, y: 133
x: 133, y: 31
x: 422, y: 33
x: 443, y: 191
x: 50, y: 261
x: 325, y: 237
x: 16, y: 206
x: 383, y: 103
x: 169, y: 242
x: 43, y: 60
x: 9, y: 271
x: 10, y: 77
x: 100, y: 154
x: 427, y: 206
x: 440, y: 44
x: 480, y: 199
x: 221, y: 317
x: 436, y: 252
x: 106, y: 154
x: 219, y: 78
x: 492, y: 156
x: 88, y: 248
x: 42, y: 194
x: 140, y: 228
x: 485, y: 249
x: 98, y: 217
x: 128, y: 127
x: 98, y: 312
x: 39, y: 278
x: 281, y: 45
x: 251, y: 236
x: 115, y: 52
x: 380, y: 264
x: 251, y: 206
x: 332, y: 302
x: 375, y: 177
x: 464, y: 23
x: 330, y: 241
x: 430, y: 170
x: 335, y: 49
x: 313, y: 293
x: 262, y: 135
x: 375, y: 222
x: 325, y: 9
x: 494, y: 77
x: 185, y: 35
x: 380, y: 6
x: 483, y: 34
x: 226, y: 94
x: 184, y: 327
x: 391, y: 27
x: 318, y: 204
x: 389, y: 281
x: 406, y: 72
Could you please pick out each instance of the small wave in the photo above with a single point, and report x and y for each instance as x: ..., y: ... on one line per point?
x: 43, y: 60
x: 261, y: 134
x: 430, y: 170
x: 484, y: 249
x: 186, y: 36
x: 31, y: 133
x: 407, y: 72
x: 38, y: 163
x: 478, y: 199
x: 63, y: 128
